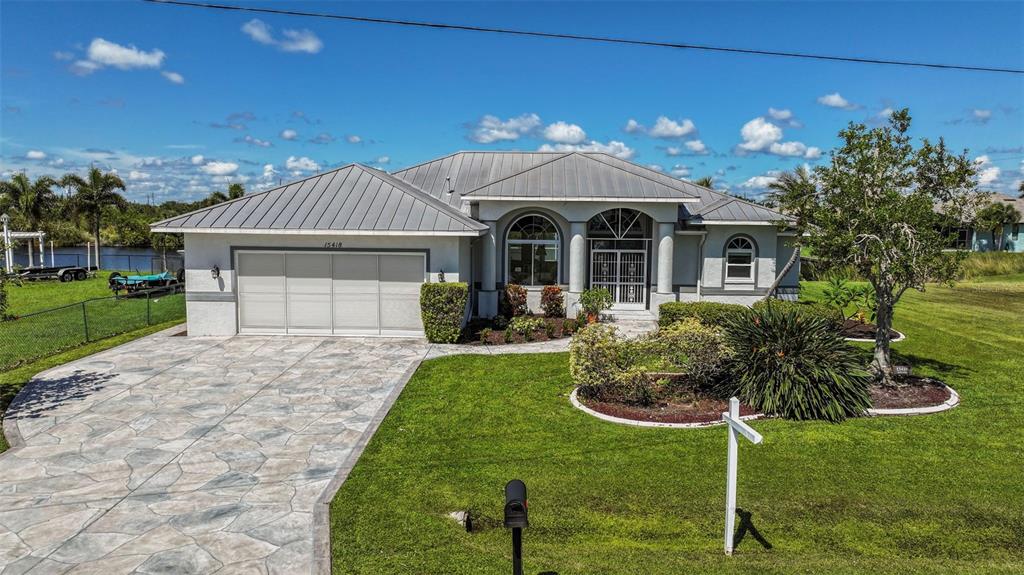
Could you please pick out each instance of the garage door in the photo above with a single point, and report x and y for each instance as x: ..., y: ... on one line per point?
x: 330, y: 293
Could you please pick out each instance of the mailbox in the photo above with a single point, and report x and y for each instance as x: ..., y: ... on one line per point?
x: 515, y: 505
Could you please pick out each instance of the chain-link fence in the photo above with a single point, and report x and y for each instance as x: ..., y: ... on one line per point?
x: 44, y: 333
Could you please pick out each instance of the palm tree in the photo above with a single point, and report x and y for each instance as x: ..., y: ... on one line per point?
x: 994, y: 218
x: 31, y: 199
x: 794, y: 193
x: 1020, y: 188
x: 93, y: 194
x: 706, y: 182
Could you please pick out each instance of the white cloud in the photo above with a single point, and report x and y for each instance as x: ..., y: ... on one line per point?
x: 292, y: 41
x: 667, y: 128
x: 884, y: 113
x: 253, y: 141
x: 382, y: 160
x: 302, y: 164
x: 353, y: 139
x: 785, y: 117
x: 981, y: 116
x: 128, y: 57
x: 322, y: 138
x: 173, y: 77
x: 656, y: 167
x: 696, y: 146
x: 63, y: 56
x: 269, y: 171
x: 35, y: 155
x: 680, y: 171
x: 564, y: 133
x: 289, y: 134
x: 136, y: 175
x: 492, y: 129
x: 760, y: 135
x: 613, y: 148
x: 835, y: 100
x: 632, y: 127
x: 84, y: 67
x: 760, y: 182
x: 197, y: 159
x: 987, y: 173
x: 220, y: 168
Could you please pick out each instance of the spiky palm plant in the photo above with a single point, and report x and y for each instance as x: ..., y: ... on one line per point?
x: 706, y: 181
x: 92, y: 195
x: 795, y: 366
x: 31, y: 199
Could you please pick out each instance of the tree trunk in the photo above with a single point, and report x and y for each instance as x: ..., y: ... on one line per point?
x: 96, y: 228
x: 793, y: 257
x: 882, y: 364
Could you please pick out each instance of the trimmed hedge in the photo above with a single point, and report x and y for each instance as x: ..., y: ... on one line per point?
x: 443, y: 307
x: 806, y: 309
x: 707, y: 312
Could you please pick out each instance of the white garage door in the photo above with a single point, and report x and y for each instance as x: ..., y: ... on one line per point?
x: 330, y: 293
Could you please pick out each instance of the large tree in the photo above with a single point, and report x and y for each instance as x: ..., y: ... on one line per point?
x: 31, y: 199
x: 92, y: 195
x: 875, y: 210
x: 794, y: 193
x: 994, y: 218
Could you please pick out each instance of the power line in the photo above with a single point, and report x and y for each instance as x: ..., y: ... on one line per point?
x: 603, y: 39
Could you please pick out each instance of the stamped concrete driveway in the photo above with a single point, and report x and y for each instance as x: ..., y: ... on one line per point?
x: 191, y: 455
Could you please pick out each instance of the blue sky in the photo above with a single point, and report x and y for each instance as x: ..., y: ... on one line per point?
x: 183, y: 101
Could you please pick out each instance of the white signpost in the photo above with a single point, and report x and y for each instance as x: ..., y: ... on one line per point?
x: 732, y: 418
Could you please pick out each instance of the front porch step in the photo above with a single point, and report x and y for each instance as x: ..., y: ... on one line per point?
x: 629, y: 315
x: 631, y: 323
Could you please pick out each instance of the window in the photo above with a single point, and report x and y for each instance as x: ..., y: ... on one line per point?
x: 532, y: 251
x: 739, y: 260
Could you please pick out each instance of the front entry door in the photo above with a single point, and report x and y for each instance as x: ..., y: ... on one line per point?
x: 623, y: 273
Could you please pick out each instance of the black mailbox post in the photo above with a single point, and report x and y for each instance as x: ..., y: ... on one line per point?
x: 516, y: 519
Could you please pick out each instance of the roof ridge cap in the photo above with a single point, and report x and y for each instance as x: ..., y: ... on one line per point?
x: 426, y: 197
x: 648, y: 178
x: 534, y: 167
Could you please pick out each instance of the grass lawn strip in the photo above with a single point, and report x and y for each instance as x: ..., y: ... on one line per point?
x: 936, y: 494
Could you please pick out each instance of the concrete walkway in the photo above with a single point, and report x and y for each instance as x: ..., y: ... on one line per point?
x: 196, y: 455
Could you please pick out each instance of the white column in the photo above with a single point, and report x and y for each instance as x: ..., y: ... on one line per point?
x: 577, y: 266
x: 29, y: 244
x: 489, y: 272
x: 666, y: 245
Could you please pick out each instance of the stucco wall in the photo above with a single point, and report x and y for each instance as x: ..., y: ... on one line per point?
x: 714, y: 261
x: 210, y: 303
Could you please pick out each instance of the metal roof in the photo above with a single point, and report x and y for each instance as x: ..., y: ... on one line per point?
x: 726, y: 209
x: 354, y: 199
x: 578, y: 176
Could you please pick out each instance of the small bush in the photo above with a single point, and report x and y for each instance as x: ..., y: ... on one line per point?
x: 550, y: 329
x: 826, y: 312
x: 569, y: 326
x: 707, y: 312
x: 525, y: 326
x: 485, y: 335
x: 500, y: 322
x: 595, y: 300
x: 552, y: 301
x: 596, y: 356
x: 443, y: 307
x: 508, y: 335
x: 514, y: 301
x: 689, y: 347
x: 795, y: 366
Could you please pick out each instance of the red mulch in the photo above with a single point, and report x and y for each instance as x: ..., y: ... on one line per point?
x: 855, y: 329
x: 689, y: 410
x: 471, y: 336
x: 912, y: 391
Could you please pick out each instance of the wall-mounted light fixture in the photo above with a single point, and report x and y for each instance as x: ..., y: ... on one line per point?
x: 215, y: 272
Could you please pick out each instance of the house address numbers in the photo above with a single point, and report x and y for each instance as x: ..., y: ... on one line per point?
x: 333, y: 245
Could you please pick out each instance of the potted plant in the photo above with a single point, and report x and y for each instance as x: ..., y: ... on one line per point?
x: 593, y: 301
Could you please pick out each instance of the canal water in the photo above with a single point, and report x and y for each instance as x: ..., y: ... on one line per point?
x: 142, y: 260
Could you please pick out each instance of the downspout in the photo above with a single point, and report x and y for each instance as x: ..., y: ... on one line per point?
x: 700, y: 264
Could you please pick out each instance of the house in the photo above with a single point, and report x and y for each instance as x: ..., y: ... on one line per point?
x: 345, y: 251
x: 984, y: 240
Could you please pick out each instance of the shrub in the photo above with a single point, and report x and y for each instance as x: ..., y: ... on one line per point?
x: 689, y: 347
x: 794, y: 365
x: 485, y: 335
x: 500, y: 322
x: 508, y: 335
x: 552, y: 301
x: 595, y: 300
x: 443, y: 307
x: 980, y: 264
x: 830, y: 314
x: 513, y: 301
x: 595, y: 356
x: 569, y: 326
x: 550, y: 329
x: 3, y: 298
x: 525, y: 325
x: 707, y: 312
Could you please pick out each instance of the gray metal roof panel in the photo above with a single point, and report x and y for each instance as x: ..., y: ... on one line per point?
x: 351, y: 198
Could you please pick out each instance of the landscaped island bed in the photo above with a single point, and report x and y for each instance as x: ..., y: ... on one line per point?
x: 934, y: 494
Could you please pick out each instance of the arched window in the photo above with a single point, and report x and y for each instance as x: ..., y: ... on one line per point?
x: 740, y: 252
x: 532, y: 251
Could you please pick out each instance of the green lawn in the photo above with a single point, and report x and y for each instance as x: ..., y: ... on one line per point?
x: 935, y: 494
x: 69, y: 323
x: 11, y: 381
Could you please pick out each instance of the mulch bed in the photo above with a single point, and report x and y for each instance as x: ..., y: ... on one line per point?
x: 857, y: 330
x: 695, y: 409
x: 471, y: 335
x: 912, y: 391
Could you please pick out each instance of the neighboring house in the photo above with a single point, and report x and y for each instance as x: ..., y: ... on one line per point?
x: 984, y: 240
x: 345, y: 251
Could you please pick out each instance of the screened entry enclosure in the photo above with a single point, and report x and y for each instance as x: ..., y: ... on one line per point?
x: 619, y: 246
x: 329, y: 293
x: 533, y: 247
